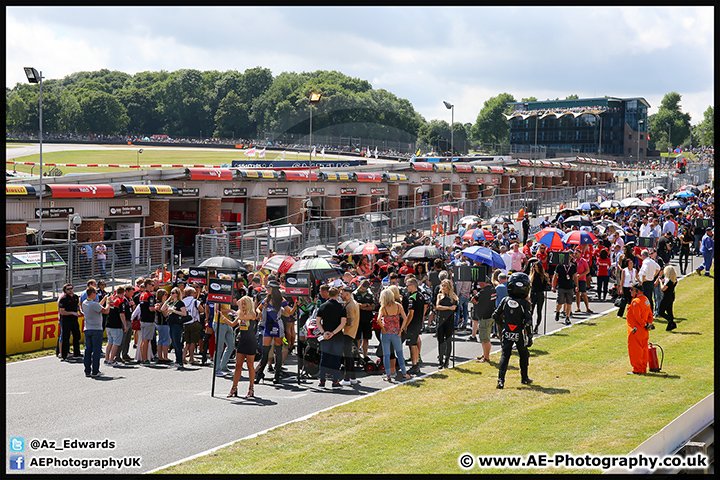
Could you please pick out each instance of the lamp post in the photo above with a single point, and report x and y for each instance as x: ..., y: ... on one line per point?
x: 138, y: 157
x: 585, y: 177
x: 34, y: 76
x: 451, y: 107
x: 640, y: 124
x: 600, y: 137
x: 314, y: 98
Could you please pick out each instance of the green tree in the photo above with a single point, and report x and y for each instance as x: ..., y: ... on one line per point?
x: 669, y: 120
x: 232, y: 117
x: 102, y: 113
x: 491, y: 125
x: 17, y: 114
x: 704, y: 132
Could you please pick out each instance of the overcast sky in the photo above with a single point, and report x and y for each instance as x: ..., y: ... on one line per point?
x: 425, y: 55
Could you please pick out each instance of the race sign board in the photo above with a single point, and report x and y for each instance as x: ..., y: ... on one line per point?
x: 220, y: 291
x: 298, y: 284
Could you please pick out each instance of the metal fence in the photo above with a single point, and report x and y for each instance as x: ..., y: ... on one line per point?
x: 127, y: 260
x: 30, y: 280
x: 390, y: 227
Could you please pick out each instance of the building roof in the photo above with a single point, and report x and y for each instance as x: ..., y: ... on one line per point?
x: 577, y: 102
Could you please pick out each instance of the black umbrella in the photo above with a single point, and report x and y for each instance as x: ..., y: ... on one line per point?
x: 316, y: 251
x: 424, y: 252
x: 499, y: 219
x: 321, y: 268
x: 567, y: 212
x: 350, y: 245
x: 224, y: 263
x: 579, y: 220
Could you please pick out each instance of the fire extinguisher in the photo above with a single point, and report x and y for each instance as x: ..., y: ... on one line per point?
x: 653, y: 358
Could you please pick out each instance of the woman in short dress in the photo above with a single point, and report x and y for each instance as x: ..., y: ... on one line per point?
x: 246, y: 345
x: 274, y: 306
x: 163, y: 328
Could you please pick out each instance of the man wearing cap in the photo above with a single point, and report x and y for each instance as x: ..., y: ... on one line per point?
x: 707, y: 249
x: 349, y: 333
x: 639, y: 322
x: 366, y: 304
x: 648, y: 270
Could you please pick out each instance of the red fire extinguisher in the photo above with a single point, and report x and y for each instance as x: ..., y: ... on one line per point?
x: 653, y: 358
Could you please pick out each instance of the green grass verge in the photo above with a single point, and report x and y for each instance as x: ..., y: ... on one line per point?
x: 150, y: 156
x: 582, y: 402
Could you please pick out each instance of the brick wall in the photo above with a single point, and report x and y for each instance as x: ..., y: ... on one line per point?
x: 363, y: 204
x: 91, y: 230
x: 332, y: 206
x: 15, y: 234
x: 159, y: 211
x: 209, y: 214
x: 393, y: 189
x: 436, y: 192
x: 295, y: 204
x: 256, y: 211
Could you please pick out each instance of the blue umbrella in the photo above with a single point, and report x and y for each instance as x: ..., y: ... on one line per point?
x: 484, y: 255
x: 685, y: 194
x: 589, y: 206
x: 672, y: 205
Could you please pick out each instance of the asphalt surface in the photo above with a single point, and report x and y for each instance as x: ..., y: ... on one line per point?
x: 164, y: 415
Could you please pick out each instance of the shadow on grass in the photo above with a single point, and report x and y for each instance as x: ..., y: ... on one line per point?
x: 590, y: 324
x: 465, y: 370
x: 545, y: 390
x: 661, y: 375
x: 537, y: 353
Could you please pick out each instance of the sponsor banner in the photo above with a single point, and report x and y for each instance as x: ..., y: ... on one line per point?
x: 220, y: 291
x: 235, y: 192
x: 298, y: 284
x: 316, y: 191
x: 188, y: 192
x: 197, y: 275
x: 277, y: 191
x: 210, y: 173
x: 348, y: 191
x: 466, y: 273
x: 33, y: 327
x: 128, y: 210
x: 82, y: 191
x: 60, y: 212
x: 19, y: 190
x: 377, y: 191
x: 296, y: 163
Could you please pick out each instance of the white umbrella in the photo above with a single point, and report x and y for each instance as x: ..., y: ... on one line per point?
x: 642, y: 191
x: 610, y: 204
x: 659, y: 189
x: 633, y: 202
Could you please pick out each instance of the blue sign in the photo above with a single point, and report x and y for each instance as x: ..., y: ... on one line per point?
x: 260, y: 163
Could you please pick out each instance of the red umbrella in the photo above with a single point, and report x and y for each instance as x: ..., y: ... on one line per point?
x: 370, y: 248
x: 478, y: 233
x: 651, y: 200
x: 278, y: 263
x: 687, y: 187
x: 579, y: 237
x: 551, y: 238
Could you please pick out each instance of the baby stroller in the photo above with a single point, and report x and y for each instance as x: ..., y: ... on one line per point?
x: 311, y: 348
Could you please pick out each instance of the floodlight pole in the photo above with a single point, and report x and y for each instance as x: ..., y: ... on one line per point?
x: 34, y: 76
x: 451, y: 107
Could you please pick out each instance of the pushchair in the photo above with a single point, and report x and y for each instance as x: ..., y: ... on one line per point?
x: 310, y: 347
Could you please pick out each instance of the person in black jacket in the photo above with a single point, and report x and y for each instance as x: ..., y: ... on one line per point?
x: 515, y: 315
x: 484, y: 305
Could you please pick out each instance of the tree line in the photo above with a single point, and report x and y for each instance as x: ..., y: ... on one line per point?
x: 203, y: 104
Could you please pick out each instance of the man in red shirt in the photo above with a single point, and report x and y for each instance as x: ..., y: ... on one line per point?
x: 526, y: 247
x: 583, y: 270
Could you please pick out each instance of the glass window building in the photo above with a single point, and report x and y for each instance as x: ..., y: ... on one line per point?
x: 607, y: 125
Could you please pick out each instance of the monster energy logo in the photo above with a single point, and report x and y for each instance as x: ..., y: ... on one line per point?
x: 465, y: 273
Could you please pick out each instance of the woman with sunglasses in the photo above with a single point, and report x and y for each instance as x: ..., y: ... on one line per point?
x: 271, y: 310
x: 175, y: 310
x: 246, y: 345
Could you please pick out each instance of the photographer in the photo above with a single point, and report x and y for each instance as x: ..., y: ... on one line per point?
x: 639, y: 322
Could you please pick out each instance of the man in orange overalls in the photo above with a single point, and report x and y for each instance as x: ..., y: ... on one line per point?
x: 639, y: 322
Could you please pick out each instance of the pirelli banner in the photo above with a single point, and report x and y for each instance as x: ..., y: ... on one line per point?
x: 33, y: 327
x: 13, y: 190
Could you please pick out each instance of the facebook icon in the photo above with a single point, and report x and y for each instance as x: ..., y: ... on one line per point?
x: 17, y: 462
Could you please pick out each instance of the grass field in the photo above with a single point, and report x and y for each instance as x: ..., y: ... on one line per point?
x: 581, y: 402
x: 150, y: 156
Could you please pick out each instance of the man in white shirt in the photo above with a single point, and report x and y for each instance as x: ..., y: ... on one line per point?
x: 645, y: 228
x: 646, y: 275
x: 507, y: 258
x: 669, y: 226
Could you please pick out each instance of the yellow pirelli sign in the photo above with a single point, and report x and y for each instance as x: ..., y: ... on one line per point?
x: 33, y: 327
